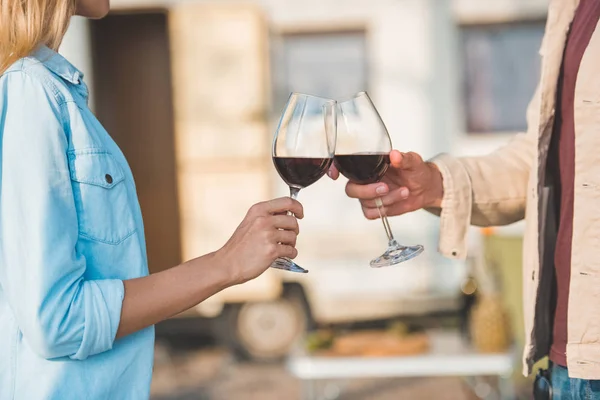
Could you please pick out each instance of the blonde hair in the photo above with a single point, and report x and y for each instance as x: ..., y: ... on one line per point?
x: 27, y: 24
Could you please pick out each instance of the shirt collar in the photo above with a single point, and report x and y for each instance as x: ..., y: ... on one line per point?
x: 58, y: 64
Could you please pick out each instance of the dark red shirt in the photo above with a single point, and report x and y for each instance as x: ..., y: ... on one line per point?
x: 582, y: 28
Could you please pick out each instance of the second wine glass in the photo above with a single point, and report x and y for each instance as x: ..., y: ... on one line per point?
x: 303, y: 148
x: 362, y: 155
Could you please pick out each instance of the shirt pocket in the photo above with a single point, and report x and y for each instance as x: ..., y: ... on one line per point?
x: 101, y: 197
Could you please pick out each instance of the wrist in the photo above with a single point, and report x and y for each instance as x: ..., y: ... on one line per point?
x: 435, y: 193
x: 219, y: 268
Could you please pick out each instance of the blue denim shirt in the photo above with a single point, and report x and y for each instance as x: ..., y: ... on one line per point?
x: 70, y: 232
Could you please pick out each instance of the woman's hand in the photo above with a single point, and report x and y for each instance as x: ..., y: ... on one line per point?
x: 265, y: 234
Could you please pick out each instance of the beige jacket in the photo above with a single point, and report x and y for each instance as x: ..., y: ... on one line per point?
x: 508, y: 185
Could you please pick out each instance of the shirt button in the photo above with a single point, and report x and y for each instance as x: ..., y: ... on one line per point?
x: 109, y: 179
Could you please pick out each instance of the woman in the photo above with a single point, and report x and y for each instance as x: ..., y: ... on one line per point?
x: 76, y: 304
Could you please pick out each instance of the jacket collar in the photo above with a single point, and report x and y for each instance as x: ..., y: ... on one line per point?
x: 58, y: 64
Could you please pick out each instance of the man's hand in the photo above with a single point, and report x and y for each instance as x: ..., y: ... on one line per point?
x: 408, y: 185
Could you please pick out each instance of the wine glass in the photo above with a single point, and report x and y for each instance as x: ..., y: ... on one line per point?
x: 303, y: 148
x: 362, y: 155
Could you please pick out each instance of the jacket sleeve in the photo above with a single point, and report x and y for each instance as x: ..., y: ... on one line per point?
x: 489, y: 190
x: 59, y: 312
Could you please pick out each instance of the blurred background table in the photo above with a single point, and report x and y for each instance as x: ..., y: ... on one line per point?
x: 449, y: 355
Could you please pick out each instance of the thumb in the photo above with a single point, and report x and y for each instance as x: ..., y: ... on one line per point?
x: 405, y: 160
x: 396, y: 159
x: 333, y: 172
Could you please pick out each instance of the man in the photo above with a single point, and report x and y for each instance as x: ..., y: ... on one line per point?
x: 551, y: 177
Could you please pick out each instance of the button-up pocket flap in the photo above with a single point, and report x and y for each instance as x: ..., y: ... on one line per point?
x: 95, y: 168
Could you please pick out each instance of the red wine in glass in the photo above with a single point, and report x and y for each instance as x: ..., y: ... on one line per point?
x: 363, y: 168
x: 300, y: 172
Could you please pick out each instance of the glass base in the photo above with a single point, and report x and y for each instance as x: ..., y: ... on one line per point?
x: 287, y: 264
x: 396, y: 254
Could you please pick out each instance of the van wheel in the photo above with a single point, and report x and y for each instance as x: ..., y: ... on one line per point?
x: 266, y: 331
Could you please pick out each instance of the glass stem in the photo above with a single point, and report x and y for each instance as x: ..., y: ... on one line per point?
x: 294, y: 192
x: 294, y: 195
x: 386, y: 224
